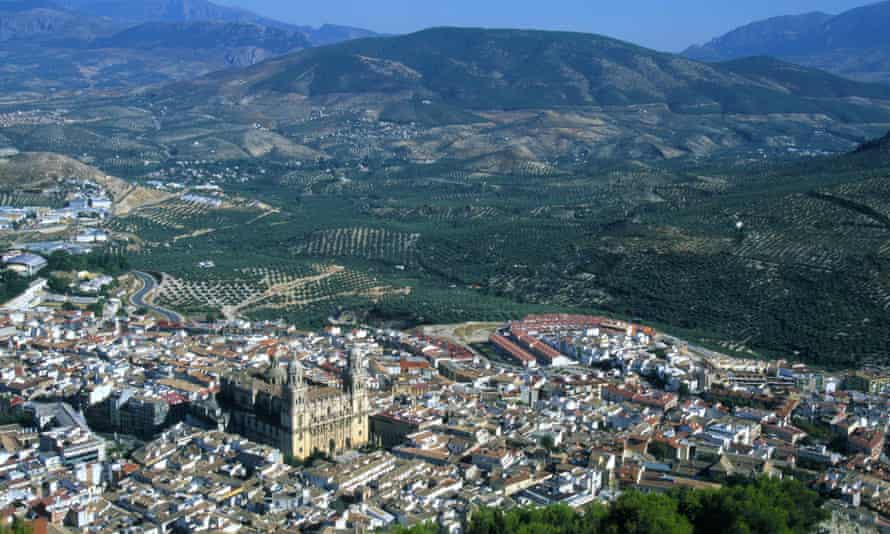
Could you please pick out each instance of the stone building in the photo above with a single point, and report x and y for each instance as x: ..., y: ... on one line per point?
x: 281, y: 409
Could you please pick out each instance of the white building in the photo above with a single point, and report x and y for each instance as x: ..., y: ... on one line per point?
x: 26, y: 264
x: 91, y: 236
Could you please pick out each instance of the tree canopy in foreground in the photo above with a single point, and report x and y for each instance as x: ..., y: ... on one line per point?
x: 743, y: 507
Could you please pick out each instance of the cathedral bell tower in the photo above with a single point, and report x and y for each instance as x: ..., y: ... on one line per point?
x: 357, y: 389
x: 294, y: 420
x: 356, y: 376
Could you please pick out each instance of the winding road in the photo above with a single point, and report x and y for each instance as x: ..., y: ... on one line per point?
x: 149, y: 284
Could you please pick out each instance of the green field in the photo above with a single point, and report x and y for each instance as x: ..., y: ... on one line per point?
x: 805, y: 274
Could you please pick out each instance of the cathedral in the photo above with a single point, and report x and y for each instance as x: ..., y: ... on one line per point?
x: 281, y: 409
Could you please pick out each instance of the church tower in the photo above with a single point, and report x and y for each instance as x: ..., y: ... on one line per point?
x: 275, y: 374
x: 357, y: 389
x: 356, y: 376
x: 294, y: 419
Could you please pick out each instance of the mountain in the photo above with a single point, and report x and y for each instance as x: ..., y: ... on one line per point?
x: 92, y: 57
x: 877, y: 150
x: 84, y: 21
x: 76, y: 45
x: 522, y: 69
x: 41, y: 20
x: 179, y: 11
x: 855, y: 43
x: 521, y: 168
x: 219, y: 44
x: 778, y: 36
x: 199, y: 35
x: 141, y: 11
x: 495, y: 101
x: 329, y: 34
x: 238, y: 44
x: 882, y: 144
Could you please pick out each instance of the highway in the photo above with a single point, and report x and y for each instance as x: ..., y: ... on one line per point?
x: 149, y: 284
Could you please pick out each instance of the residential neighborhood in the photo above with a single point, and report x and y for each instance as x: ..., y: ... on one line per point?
x: 125, y: 422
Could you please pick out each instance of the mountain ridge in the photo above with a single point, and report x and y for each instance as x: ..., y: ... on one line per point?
x: 879, y: 146
x: 514, y: 69
x: 204, y: 34
x: 73, y: 45
x: 29, y: 19
x: 498, y: 100
x: 44, y: 20
x: 854, y: 43
x: 134, y: 13
x: 183, y: 11
x: 762, y: 37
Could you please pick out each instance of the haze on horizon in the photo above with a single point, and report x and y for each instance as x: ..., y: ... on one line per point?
x: 669, y: 25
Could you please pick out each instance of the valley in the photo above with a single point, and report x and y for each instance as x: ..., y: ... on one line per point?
x: 265, y: 277
x: 359, y: 183
x: 761, y: 260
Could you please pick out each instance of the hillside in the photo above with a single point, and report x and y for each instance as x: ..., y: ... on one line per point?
x: 132, y: 13
x: 804, y: 276
x: 53, y: 46
x: 881, y: 146
x: 198, y: 35
x: 874, y: 153
x: 43, y: 20
x: 129, y: 12
x: 854, y: 44
x: 221, y: 44
x: 778, y: 36
x: 328, y: 34
x: 37, y: 170
x: 457, y: 175
x: 519, y: 69
x: 490, y: 100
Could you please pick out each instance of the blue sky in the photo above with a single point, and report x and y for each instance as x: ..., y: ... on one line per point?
x: 662, y: 24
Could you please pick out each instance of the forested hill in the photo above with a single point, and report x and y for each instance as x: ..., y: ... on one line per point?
x: 515, y: 69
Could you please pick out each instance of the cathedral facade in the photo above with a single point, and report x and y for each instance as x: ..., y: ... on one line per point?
x: 281, y: 409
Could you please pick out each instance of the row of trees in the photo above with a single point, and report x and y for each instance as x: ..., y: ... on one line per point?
x: 743, y: 507
x: 104, y: 261
x: 12, y: 285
